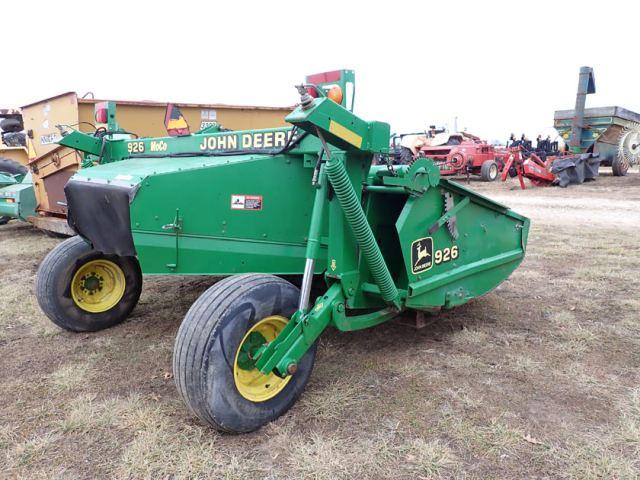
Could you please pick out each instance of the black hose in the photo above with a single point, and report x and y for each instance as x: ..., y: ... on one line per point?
x: 103, y: 133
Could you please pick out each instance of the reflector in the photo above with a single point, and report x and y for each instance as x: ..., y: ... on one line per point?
x: 175, y: 122
x: 101, y: 112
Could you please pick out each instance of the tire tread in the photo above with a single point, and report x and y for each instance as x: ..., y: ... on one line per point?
x: 53, y: 266
x: 199, y: 325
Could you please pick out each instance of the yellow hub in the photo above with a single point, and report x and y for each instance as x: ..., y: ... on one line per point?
x: 98, y: 286
x: 250, y: 382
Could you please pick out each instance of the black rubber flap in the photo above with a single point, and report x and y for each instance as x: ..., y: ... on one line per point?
x: 576, y: 169
x: 99, y: 212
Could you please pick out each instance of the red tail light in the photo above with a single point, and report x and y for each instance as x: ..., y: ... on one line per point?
x: 101, y: 112
x: 325, y: 77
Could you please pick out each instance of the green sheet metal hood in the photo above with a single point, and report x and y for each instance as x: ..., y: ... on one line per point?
x: 133, y: 171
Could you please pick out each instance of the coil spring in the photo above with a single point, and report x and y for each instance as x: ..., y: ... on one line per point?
x: 348, y: 199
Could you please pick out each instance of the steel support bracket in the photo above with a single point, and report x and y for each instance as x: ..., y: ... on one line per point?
x: 358, y: 322
x: 448, y: 215
x: 298, y: 336
x: 83, y: 142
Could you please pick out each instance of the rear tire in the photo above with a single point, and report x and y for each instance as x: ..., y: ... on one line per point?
x: 489, y: 171
x: 205, y: 352
x: 406, y: 156
x: 61, y: 286
x: 619, y: 167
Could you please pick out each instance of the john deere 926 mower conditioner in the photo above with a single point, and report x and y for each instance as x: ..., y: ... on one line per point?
x: 255, y: 206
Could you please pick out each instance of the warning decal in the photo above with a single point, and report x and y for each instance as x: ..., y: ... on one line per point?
x: 246, y: 202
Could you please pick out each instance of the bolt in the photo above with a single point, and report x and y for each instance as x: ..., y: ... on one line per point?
x: 350, y: 292
x: 292, y: 368
x: 306, y: 100
x: 341, y: 307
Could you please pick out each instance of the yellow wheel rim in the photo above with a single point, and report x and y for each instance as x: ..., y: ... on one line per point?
x: 250, y: 382
x: 98, y: 286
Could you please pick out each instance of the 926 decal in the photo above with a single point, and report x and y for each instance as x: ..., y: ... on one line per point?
x: 135, y: 147
x: 446, y: 254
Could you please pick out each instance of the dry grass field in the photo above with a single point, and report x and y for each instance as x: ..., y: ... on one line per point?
x: 538, y: 379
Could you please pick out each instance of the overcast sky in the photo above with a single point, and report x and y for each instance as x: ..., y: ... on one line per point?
x: 497, y: 66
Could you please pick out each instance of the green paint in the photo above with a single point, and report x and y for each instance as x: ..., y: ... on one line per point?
x: 362, y: 224
x: 600, y: 134
x: 249, y: 349
x: 17, y: 197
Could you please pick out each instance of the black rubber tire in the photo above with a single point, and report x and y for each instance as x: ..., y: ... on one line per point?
x: 17, y: 139
x: 12, y: 167
x: 619, y: 167
x: 406, y: 156
x: 489, y: 171
x: 4, y: 220
x: 206, y: 346
x: 53, y: 282
x: 11, y: 125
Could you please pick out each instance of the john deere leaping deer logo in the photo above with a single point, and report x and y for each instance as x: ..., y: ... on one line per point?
x: 421, y: 255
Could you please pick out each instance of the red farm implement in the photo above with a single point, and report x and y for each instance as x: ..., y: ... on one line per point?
x: 453, y: 153
x: 542, y: 170
x: 522, y: 164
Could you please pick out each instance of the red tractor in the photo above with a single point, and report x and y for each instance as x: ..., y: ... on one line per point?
x: 454, y: 153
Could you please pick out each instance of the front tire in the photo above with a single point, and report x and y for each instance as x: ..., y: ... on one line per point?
x: 207, y: 358
x: 83, y: 290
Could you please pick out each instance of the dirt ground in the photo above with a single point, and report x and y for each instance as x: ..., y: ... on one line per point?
x: 538, y: 379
